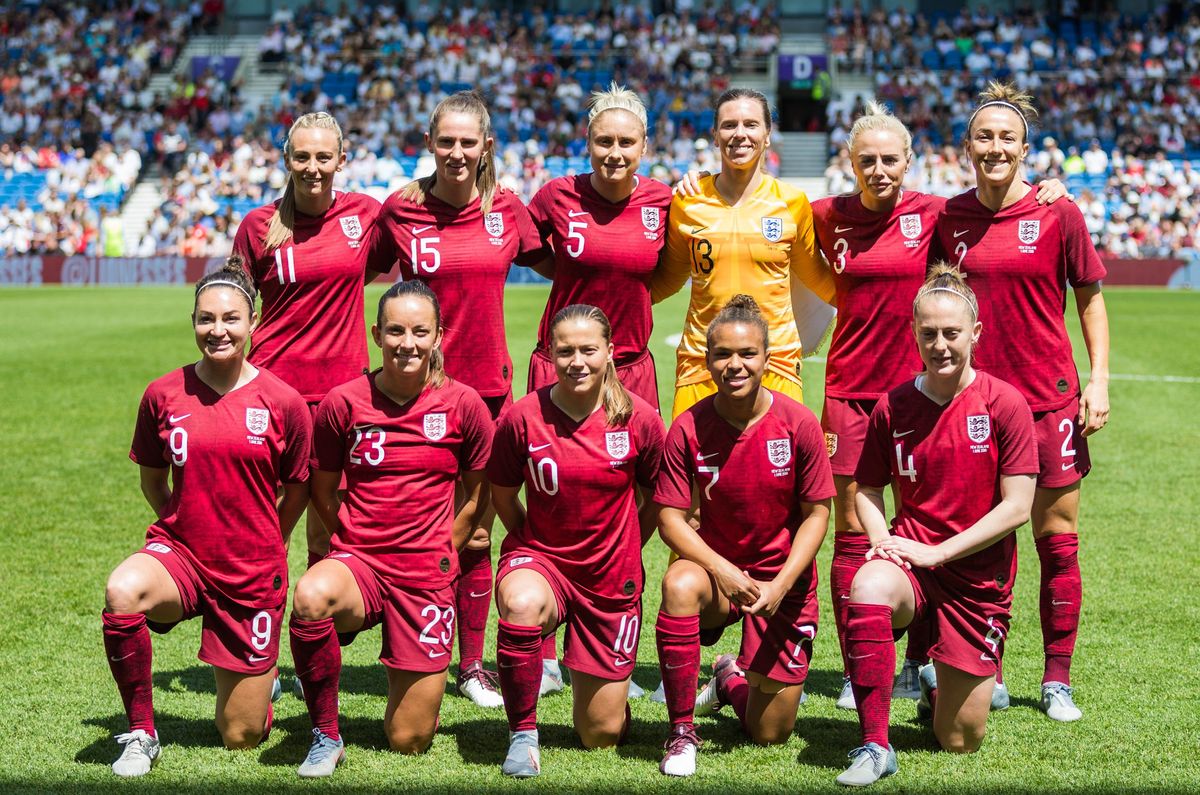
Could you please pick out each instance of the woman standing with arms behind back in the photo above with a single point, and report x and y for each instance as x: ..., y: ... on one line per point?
x: 1021, y: 258
x: 309, y: 254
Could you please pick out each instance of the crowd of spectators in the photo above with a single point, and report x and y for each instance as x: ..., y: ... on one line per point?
x: 1119, y: 102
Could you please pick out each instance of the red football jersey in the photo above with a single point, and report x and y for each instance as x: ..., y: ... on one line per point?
x: 401, y: 464
x: 751, y: 482
x: 604, y: 254
x: 312, y: 332
x: 580, y: 500
x: 1020, y: 261
x: 947, y: 462
x: 227, y: 453
x: 464, y: 256
x: 878, y: 262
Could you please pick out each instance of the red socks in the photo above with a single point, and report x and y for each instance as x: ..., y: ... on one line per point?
x: 318, y: 659
x: 550, y: 647
x: 518, y: 656
x: 472, y: 594
x: 849, y: 554
x: 871, y: 657
x: 678, y: 641
x: 1061, y: 596
x: 127, y: 646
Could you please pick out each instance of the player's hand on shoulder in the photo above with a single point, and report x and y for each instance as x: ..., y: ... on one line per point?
x: 690, y: 184
x: 1051, y: 190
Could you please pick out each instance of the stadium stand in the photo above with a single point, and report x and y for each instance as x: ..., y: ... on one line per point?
x: 1119, y: 100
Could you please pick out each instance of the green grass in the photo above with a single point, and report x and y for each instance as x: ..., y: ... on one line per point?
x: 75, y: 363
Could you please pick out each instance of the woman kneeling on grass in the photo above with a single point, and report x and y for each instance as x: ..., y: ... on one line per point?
x: 226, y: 433
x: 759, y: 461
x: 958, y: 444
x: 403, y: 436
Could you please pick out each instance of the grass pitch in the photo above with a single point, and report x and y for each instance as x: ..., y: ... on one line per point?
x: 76, y: 361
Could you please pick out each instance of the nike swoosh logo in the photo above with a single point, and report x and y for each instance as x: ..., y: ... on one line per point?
x: 180, y: 418
x: 619, y: 663
x: 478, y: 595
x: 670, y: 667
x: 118, y: 659
x: 960, y: 233
x: 518, y: 665
x: 986, y: 658
x: 697, y: 230
x: 1068, y: 467
x: 861, y: 656
x: 257, y: 658
x: 705, y: 457
x: 419, y: 229
x: 577, y: 213
x: 837, y: 230
x: 794, y: 664
x: 533, y: 449
x: 898, y: 435
x: 1058, y: 604
x: 433, y: 655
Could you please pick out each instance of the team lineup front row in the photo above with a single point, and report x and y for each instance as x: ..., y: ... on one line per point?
x: 402, y: 467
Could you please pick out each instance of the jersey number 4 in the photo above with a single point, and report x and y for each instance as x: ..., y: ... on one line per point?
x: 910, y: 471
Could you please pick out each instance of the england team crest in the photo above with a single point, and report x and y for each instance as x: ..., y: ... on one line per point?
x: 772, y: 228
x: 910, y: 226
x: 494, y: 224
x: 351, y: 227
x: 779, y: 452
x: 831, y: 444
x: 617, y: 443
x: 434, y: 426
x: 651, y: 218
x: 1029, y: 231
x: 979, y: 427
x: 257, y: 421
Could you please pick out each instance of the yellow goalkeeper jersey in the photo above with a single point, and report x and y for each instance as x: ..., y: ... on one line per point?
x: 755, y: 248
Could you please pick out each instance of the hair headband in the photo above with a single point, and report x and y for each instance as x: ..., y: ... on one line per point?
x: 1003, y: 104
x: 227, y: 283
x: 951, y: 290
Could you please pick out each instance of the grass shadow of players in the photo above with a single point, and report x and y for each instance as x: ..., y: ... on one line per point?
x: 823, y: 683
x: 186, y: 732
x: 827, y: 740
x: 193, y: 679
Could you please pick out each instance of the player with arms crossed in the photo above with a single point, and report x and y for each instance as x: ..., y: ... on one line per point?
x: 606, y: 229
x: 758, y: 460
x: 402, y: 436
x: 744, y: 232
x: 587, y: 452
x: 1021, y: 258
x: 225, y: 433
x: 958, y: 445
x: 877, y: 243
x: 309, y: 254
x: 457, y: 233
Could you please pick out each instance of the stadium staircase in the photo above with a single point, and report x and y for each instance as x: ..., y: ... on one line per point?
x: 257, y: 86
x: 802, y: 156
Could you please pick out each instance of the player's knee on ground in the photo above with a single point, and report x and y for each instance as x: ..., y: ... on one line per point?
x: 770, y: 735
x: 682, y: 587
x: 238, y: 735
x: 313, y: 598
x: 408, y: 740
x: 959, y: 739
x: 600, y: 734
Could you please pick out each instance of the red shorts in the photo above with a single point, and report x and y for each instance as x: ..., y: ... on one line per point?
x: 418, y: 623
x: 637, y: 376
x: 778, y: 647
x: 498, y: 404
x: 845, y: 425
x: 1062, y: 449
x: 967, y: 627
x: 241, y: 639
x: 602, y: 635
